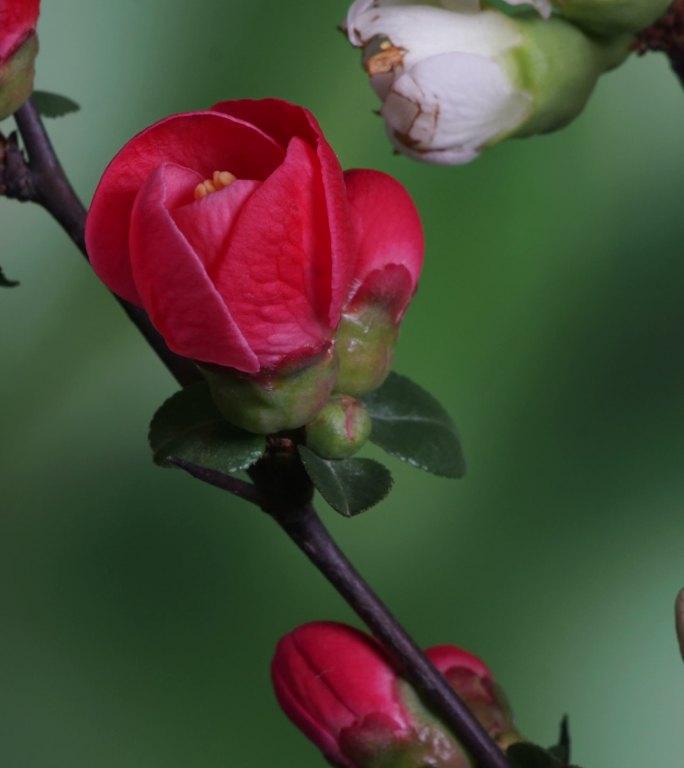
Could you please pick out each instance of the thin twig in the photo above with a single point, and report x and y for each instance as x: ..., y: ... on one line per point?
x: 233, y: 485
x: 50, y: 187
x: 667, y: 36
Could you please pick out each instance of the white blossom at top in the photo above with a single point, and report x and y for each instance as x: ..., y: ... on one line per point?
x: 443, y: 74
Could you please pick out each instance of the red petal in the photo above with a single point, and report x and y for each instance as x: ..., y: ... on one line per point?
x: 386, y: 226
x: 18, y: 19
x: 172, y: 282
x: 336, y: 675
x: 446, y: 657
x: 275, y: 277
x: 206, y: 223
x: 283, y: 121
x: 203, y: 141
x: 390, y: 288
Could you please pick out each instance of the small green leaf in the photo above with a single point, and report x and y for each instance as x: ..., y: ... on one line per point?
x: 524, y: 755
x: 350, y: 486
x: 5, y: 282
x: 53, y: 105
x: 410, y: 424
x: 189, y: 426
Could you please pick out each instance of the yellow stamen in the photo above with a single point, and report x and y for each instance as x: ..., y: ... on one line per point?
x: 219, y: 180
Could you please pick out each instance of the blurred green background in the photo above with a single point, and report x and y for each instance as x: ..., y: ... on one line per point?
x: 140, y: 609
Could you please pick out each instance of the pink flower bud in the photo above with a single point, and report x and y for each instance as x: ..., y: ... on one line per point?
x: 235, y: 230
x: 18, y: 49
x: 340, y: 688
x: 389, y: 247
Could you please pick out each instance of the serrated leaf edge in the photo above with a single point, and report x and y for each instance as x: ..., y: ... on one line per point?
x: 341, y: 512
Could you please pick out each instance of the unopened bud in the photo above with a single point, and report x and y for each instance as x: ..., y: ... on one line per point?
x: 455, y: 82
x: 270, y: 402
x: 340, y: 688
x: 339, y: 429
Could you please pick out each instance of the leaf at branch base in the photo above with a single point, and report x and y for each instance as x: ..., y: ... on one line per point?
x: 525, y: 755
x: 53, y: 105
x: 189, y: 426
x: 410, y: 424
x: 5, y: 282
x: 350, y: 486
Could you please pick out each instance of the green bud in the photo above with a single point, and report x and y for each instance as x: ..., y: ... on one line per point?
x: 365, y: 343
x: 611, y: 17
x: 273, y: 401
x: 559, y: 65
x: 16, y: 77
x: 339, y: 429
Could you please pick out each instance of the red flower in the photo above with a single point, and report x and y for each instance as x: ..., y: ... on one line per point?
x: 18, y: 20
x: 233, y: 228
x: 340, y: 688
x: 18, y: 49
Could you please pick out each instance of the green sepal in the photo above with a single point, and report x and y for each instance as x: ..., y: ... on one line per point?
x: 526, y: 755
x: 5, y: 282
x: 410, y: 424
x: 189, y: 426
x: 53, y: 104
x: 350, y: 486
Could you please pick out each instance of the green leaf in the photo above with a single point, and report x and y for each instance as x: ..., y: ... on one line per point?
x: 410, y: 424
x: 53, y: 105
x: 350, y: 486
x: 5, y: 282
x: 524, y: 755
x: 189, y: 426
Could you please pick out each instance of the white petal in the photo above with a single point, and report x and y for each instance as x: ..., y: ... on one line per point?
x: 422, y: 30
x: 350, y: 24
x: 454, y: 102
x: 451, y: 156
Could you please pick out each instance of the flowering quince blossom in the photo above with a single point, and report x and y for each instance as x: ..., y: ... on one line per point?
x: 339, y: 687
x: 455, y: 80
x: 237, y: 231
x: 18, y: 48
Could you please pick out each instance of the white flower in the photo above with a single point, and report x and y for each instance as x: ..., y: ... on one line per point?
x: 455, y: 79
x: 445, y: 89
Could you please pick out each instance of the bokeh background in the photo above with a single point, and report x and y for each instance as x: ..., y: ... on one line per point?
x: 140, y: 609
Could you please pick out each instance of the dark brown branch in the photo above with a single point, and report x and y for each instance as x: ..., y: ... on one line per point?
x: 233, y: 485
x: 41, y: 179
x: 666, y: 36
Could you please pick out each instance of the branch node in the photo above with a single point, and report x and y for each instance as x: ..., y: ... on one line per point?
x: 16, y: 177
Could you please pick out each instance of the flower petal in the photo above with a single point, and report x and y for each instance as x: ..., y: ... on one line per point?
x: 283, y: 121
x: 446, y: 657
x: 387, y: 233
x: 203, y: 141
x: 172, y: 282
x: 454, y: 101
x: 275, y: 277
x: 18, y: 19
x: 337, y: 675
x: 423, y: 31
x: 206, y: 223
